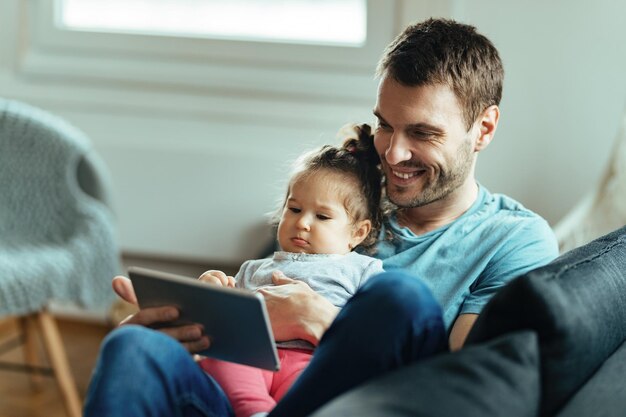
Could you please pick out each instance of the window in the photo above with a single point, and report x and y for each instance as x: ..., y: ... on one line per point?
x: 320, y: 22
x: 117, y: 43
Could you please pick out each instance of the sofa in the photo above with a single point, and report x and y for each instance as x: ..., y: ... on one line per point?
x: 550, y: 343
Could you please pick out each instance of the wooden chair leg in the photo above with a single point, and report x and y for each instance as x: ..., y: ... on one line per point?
x: 58, y: 359
x: 28, y: 325
x: 7, y: 325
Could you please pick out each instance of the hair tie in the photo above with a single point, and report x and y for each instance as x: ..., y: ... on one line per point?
x: 351, y: 148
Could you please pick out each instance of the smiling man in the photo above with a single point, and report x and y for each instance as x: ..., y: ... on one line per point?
x: 447, y: 244
x: 436, y: 110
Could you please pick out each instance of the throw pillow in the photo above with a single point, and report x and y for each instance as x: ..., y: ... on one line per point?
x: 577, y: 307
x: 498, y: 378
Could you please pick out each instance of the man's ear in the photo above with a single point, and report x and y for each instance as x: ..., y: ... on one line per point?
x: 487, y: 125
x: 360, y: 232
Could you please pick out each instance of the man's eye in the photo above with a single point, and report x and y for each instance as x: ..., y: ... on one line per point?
x: 383, y: 125
x: 419, y: 134
x: 323, y: 217
x: 294, y: 210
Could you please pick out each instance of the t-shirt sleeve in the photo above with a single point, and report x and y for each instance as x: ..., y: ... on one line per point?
x: 374, y: 267
x: 247, y: 269
x: 530, y: 246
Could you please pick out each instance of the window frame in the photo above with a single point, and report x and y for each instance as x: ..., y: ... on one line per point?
x: 220, y: 65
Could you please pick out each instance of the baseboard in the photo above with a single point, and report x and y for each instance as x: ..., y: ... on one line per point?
x: 76, y: 313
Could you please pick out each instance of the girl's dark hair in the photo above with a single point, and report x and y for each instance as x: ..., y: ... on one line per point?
x: 356, y: 158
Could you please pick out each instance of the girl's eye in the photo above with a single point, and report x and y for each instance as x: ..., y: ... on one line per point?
x: 294, y: 209
x: 323, y: 217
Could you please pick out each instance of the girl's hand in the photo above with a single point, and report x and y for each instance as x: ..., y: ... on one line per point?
x: 217, y: 278
x: 191, y: 336
x: 296, y: 311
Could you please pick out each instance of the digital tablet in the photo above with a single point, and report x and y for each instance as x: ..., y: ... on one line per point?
x: 235, y: 320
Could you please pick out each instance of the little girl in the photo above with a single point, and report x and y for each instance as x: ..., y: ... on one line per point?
x: 332, y: 206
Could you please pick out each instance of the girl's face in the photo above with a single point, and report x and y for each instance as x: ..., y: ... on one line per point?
x: 314, y: 218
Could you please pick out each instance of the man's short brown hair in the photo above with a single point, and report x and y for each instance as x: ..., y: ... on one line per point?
x: 441, y: 51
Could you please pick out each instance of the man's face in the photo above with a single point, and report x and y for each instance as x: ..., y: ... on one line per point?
x: 425, y: 150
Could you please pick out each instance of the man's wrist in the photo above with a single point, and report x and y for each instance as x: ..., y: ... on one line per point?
x: 322, y: 313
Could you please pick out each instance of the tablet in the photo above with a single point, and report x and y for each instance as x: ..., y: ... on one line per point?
x: 235, y: 319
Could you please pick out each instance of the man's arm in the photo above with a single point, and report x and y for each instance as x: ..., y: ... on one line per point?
x: 528, y: 245
x: 296, y: 311
x: 460, y: 330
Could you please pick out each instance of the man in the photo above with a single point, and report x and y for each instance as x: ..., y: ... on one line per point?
x: 437, y: 108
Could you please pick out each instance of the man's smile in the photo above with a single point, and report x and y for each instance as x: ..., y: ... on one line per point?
x: 404, y: 176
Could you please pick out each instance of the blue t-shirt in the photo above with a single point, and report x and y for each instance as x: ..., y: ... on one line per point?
x: 467, y: 261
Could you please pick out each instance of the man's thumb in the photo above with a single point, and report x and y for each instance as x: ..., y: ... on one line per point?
x: 278, y: 277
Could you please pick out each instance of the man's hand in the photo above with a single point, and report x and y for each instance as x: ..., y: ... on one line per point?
x: 296, y: 311
x: 191, y: 336
x: 218, y: 278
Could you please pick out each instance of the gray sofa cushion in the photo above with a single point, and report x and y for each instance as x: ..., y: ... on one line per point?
x: 498, y: 378
x: 577, y: 306
x: 604, y: 395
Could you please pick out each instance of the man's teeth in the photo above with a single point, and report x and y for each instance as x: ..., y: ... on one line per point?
x: 404, y: 175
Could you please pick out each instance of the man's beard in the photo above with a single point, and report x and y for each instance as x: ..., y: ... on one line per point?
x: 436, y: 189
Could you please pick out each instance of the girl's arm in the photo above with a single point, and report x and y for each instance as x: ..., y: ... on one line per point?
x: 217, y: 278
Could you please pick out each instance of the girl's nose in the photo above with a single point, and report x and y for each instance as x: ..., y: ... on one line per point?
x: 304, y: 223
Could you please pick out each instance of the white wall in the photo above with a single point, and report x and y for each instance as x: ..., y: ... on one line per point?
x: 564, y: 94
x: 198, y: 153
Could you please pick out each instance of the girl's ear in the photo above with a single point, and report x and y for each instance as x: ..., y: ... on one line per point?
x: 359, y: 232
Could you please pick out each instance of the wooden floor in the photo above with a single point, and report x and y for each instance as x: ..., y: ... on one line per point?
x: 17, y: 396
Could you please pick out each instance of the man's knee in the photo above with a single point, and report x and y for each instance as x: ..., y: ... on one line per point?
x: 126, y: 336
x: 135, y: 343
x: 400, y: 294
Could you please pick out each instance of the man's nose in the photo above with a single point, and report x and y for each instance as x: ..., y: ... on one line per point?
x: 397, y: 150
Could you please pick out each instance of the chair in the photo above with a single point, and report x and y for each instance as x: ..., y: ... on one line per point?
x: 57, y: 235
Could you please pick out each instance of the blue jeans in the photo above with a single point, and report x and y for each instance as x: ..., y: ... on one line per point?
x: 392, y: 321
x: 143, y: 372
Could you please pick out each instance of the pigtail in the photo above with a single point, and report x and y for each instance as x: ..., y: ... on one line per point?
x: 358, y: 141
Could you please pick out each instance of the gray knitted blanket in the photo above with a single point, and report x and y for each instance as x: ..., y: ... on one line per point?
x: 57, y: 235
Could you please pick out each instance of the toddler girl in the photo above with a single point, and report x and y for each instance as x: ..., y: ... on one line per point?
x: 332, y: 206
